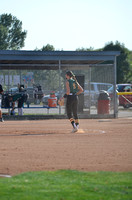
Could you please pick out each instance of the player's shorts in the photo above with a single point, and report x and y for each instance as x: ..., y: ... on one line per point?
x: 0, y: 100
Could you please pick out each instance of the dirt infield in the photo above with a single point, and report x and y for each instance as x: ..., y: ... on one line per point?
x: 100, y: 145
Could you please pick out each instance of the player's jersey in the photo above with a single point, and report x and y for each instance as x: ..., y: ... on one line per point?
x: 15, y: 97
x: 73, y: 86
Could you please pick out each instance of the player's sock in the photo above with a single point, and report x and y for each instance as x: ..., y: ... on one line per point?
x: 72, y: 122
x: 77, y: 123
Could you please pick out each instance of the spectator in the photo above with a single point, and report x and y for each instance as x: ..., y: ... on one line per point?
x: 21, y: 101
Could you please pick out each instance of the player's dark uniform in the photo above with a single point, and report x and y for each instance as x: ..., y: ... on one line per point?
x: 72, y: 102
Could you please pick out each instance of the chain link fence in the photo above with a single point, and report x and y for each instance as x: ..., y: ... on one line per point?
x: 39, y: 84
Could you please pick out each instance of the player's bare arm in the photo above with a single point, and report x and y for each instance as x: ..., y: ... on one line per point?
x: 67, y: 88
x: 80, y: 89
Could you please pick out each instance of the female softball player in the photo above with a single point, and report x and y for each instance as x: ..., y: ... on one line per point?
x: 73, y: 89
x: 1, y: 91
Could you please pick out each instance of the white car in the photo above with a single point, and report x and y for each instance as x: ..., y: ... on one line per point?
x: 92, y: 91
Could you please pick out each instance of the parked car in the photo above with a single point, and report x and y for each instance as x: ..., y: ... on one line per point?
x: 111, y: 95
x: 13, y: 90
x: 30, y: 92
x: 45, y: 99
x: 125, y: 102
x: 35, y: 95
x: 92, y: 91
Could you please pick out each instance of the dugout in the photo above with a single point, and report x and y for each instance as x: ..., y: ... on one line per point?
x: 98, y: 69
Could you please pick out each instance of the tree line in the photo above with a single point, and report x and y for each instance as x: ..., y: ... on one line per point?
x: 12, y: 37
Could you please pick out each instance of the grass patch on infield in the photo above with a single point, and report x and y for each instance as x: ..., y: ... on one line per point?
x: 67, y: 185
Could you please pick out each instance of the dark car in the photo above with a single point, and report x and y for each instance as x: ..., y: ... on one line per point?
x: 123, y: 100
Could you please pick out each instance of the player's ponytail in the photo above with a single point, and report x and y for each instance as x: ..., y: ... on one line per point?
x: 74, y: 77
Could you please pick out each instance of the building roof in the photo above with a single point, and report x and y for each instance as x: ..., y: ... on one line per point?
x: 19, y: 59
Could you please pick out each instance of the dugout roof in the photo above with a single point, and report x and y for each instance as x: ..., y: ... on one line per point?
x: 50, y: 60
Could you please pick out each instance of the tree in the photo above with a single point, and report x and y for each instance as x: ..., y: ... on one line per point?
x: 11, y: 35
x: 48, y: 78
x: 48, y: 47
x: 130, y: 72
x: 123, y: 66
x: 85, y: 49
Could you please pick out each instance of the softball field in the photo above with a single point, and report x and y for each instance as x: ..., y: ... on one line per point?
x: 100, y: 145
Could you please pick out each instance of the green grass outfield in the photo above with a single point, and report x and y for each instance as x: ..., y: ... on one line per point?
x: 67, y: 185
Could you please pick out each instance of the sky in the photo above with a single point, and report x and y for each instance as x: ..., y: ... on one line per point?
x: 72, y: 24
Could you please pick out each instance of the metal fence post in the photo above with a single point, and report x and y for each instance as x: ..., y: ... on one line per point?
x: 89, y: 86
x: 59, y: 84
x: 115, y: 95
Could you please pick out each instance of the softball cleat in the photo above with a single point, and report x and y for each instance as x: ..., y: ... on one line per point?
x: 74, y: 130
